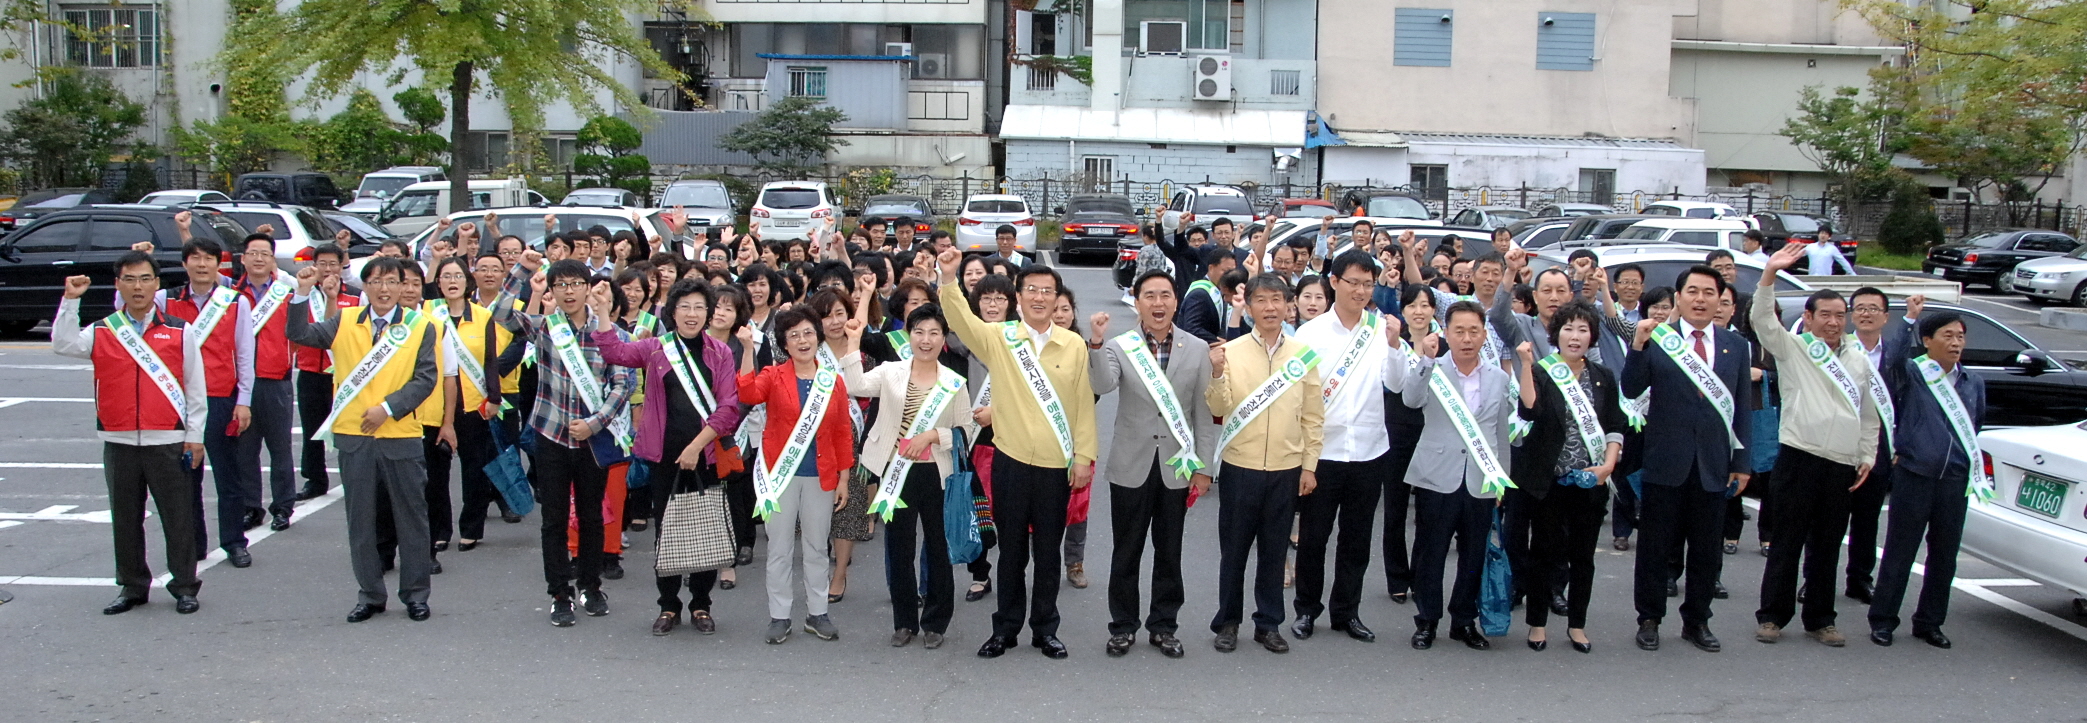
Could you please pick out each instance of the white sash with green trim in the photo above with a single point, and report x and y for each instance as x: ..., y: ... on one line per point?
x: 156, y: 369
x: 1700, y: 374
x: 901, y: 343
x: 366, y: 370
x: 770, y: 481
x: 468, y: 366
x: 1823, y: 357
x: 1981, y: 487
x: 1452, y: 401
x: 685, y: 372
x: 1887, y: 413
x: 1031, y: 367
x: 1358, y: 347
x: 1576, y: 400
x: 278, y: 292
x: 1287, y: 375
x: 887, y: 500
x: 1148, y: 371
x: 565, y: 343
x: 213, y: 311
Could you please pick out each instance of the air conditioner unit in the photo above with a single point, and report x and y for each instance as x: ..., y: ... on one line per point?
x: 1163, y: 37
x: 1211, y: 78
x: 898, y: 49
x: 931, y: 65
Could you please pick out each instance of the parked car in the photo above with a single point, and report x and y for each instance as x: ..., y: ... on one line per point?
x: 1126, y: 268
x: 1385, y: 203
x: 1990, y: 258
x: 606, y: 197
x: 1487, y: 217
x: 1709, y: 233
x: 984, y: 214
x: 1689, y: 209
x: 2037, y: 526
x: 364, y: 235
x: 378, y: 187
x: 2026, y: 386
x: 416, y: 207
x: 1306, y: 208
x: 791, y: 210
x: 295, y: 228
x: 1204, y: 204
x: 1663, y: 264
x: 890, y: 208
x: 1095, y: 225
x: 184, y: 197
x: 527, y: 223
x: 2054, y: 278
x: 314, y: 190
x: 1600, y: 226
x: 1340, y: 228
x: 1540, y: 232
x: 707, y: 202
x: 1781, y: 227
x: 37, y: 204
x: 87, y: 241
x: 1562, y: 209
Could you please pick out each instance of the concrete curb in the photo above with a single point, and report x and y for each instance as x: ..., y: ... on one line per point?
x: 2058, y: 317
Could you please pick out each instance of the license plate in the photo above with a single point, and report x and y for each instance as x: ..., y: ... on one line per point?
x: 1105, y: 231
x: 2042, y: 495
x: 788, y: 222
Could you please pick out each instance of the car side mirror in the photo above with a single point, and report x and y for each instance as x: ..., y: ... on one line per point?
x: 2034, y: 361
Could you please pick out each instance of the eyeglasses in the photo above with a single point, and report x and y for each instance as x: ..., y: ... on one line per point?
x: 1869, y: 309
x: 797, y: 334
x: 260, y: 253
x: 569, y: 284
x: 1351, y: 281
x: 1040, y: 290
x: 136, y: 279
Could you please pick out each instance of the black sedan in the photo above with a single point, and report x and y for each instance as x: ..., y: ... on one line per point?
x: 36, y: 204
x: 890, y: 208
x: 1989, y: 258
x: 2025, y: 385
x: 87, y: 241
x: 1094, y: 224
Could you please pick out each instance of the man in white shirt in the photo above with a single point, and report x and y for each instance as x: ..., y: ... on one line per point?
x: 1358, y: 350
x: 1823, y: 255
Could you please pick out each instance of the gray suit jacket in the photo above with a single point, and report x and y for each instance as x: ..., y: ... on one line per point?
x: 1140, y: 432
x: 1440, y: 462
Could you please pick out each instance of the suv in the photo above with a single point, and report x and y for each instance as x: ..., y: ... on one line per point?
x: 304, y: 189
x: 1719, y: 233
x: 792, y: 210
x: 87, y: 240
x: 378, y: 187
x: 1094, y: 224
x: 417, y: 206
x: 1199, y: 205
x: 708, y: 203
x: 40, y: 203
x: 1382, y: 203
x: 1689, y: 209
x: 295, y: 228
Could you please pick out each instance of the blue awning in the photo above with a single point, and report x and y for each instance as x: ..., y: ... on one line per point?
x: 779, y: 56
x: 1318, y: 135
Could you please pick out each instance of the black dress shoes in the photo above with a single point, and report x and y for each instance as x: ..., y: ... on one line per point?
x: 1558, y: 606
x: 1586, y: 647
x: 995, y: 647
x: 977, y: 593
x: 1673, y: 588
x: 1303, y: 628
x: 1648, y: 635
x: 511, y: 518
x: 1539, y: 645
x: 1881, y: 637
x: 1355, y: 629
x: 186, y: 604
x: 1168, y: 645
x: 310, y: 494
x: 1861, y: 591
x: 254, y: 518
x: 1119, y: 645
x: 1227, y: 639
x: 122, y: 605
x: 1700, y: 637
x: 434, y: 566
x: 364, y: 611
x: 1719, y: 592
x: 239, y: 557
x: 1468, y: 633
x: 467, y: 545
x: 1932, y: 637
x: 417, y: 612
x: 441, y: 545
x: 1272, y: 640
x: 1401, y: 597
x: 279, y: 521
x: 1050, y: 646
x: 1424, y: 637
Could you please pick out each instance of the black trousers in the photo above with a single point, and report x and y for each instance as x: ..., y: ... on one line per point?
x: 1517, y: 516
x: 474, y: 453
x: 1864, y: 508
x: 1439, y: 518
x: 1921, y: 508
x: 131, y: 472
x: 1347, y: 494
x: 1811, y: 514
x: 1672, y: 515
x: 1625, y: 521
x: 1398, y: 497
x: 1253, y: 514
x: 570, y: 476
x: 234, y: 495
x: 739, y: 494
x: 1565, y: 526
x: 314, y: 402
x: 1134, y: 513
x: 922, y: 493
x: 272, y: 409
x: 666, y: 478
x: 439, y: 456
x: 1029, y: 511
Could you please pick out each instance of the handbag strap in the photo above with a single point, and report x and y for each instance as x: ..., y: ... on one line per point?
x: 960, y: 452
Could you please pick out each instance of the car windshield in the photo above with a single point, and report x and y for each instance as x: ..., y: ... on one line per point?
x: 254, y: 219
x: 1116, y: 206
x: 896, y: 208
x: 412, y: 203
x: 696, y: 196
x: 790, y: 198
x: 387, y: 185
x: 996, y: 206
x: 1989, y: 239
x: 1395, y: 207
x: 1800, y: 224
x: 594, y: 198
x: 1641, y: 232
x: 1504, y: 215
x: 1222, y: 204
x: 66, y: 201
x: 1309, y: 210
x: 356, y: 224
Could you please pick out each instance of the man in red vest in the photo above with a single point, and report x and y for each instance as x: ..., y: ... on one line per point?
x: 222, y: 321
x: 149, y: 395
x: 315, y: 373
x: 268, y: 290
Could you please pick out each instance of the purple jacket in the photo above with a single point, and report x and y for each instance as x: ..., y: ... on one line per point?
x: 645, y: 354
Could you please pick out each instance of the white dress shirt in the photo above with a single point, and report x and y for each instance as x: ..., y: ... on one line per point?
x: 1688, y: 339
x: 1355, y: 429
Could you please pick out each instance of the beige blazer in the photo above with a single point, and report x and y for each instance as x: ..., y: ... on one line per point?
x: 888, y: 382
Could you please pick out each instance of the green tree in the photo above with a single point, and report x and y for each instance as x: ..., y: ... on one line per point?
x: 530, y: 53
x: 233, y: 144
x: 65, y: 137
x: 790, y: 137
x: 1844, y: 134
x: 1910, y: 226
x: 357, y: 139
x: 608, y: 148
x: 423, y: 111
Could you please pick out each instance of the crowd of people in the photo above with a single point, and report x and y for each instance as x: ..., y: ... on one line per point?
x: 706, y: 385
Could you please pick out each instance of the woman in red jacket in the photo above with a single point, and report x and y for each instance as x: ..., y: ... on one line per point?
x: 800, y: 469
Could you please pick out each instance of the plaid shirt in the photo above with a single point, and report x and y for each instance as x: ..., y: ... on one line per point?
x: 558, y: 400
x: 1162, y: 348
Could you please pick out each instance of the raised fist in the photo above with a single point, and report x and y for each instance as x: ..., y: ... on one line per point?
x: 1392, y: 328
x: 531, y: 259
x: 1099, y: 322
x: 76, y: 286
x: 1217, y: 362
x: 1430, y: 344
x: 1644, y: 333
x: 1526, y: 351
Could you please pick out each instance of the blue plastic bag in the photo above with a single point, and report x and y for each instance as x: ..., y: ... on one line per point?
x: 959, y: 521
x: 507, y: 476
x: 1496, y: 587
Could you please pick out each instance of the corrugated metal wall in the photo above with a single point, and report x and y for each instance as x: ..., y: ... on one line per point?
x: 689, y: 138
x: 871, y: 92
x: 1420, y: 37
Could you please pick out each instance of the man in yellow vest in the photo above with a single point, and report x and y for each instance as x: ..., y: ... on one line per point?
x: 384, y: 367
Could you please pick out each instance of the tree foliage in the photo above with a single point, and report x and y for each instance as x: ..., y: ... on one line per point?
x: 1844, y: 134
x: 608, y: 148
x: 65, y: 137
x: 790, y: 137
x: 1910, y: 226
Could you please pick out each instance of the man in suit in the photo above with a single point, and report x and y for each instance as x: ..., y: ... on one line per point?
x: 1455, y: 480
x: 1358, y: 350
x: 1205, y: 304
x: 1150, y: 473
x: 1870, y: 312
x: 1694, y: 447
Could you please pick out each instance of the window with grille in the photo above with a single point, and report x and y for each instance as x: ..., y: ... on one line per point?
x: 1283, y: 82
x: 807, y: 82
x: 1097, y: 171
x: 113, y: 38
x: 1432, y: 181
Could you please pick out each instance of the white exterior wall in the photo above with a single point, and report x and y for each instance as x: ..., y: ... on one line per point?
x: 881, y: 11
x: 1140, y: 162
x: 1507, y: 166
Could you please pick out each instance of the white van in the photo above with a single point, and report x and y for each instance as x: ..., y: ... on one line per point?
x: 1715, y: 233
x: 378, y: 187
x: 417, y: 206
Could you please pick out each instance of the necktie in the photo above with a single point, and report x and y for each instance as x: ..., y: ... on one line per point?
x: 1701, y: 352
x: 377, y: 324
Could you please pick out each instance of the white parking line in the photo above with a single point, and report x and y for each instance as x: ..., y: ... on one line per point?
x: 304, y: 509
x: 94, y: 465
